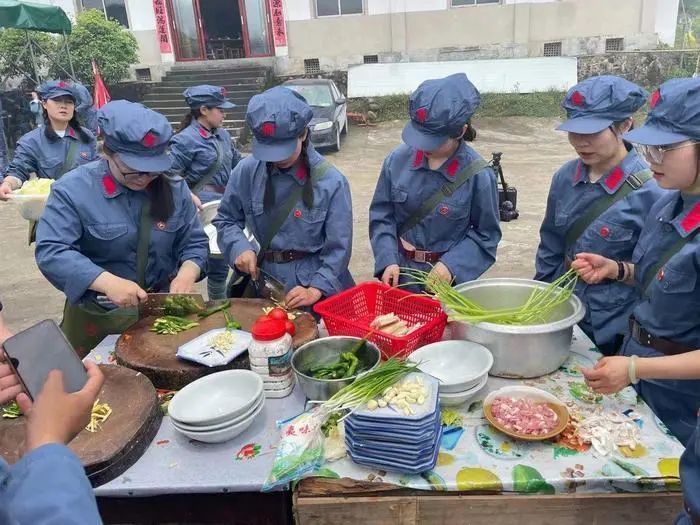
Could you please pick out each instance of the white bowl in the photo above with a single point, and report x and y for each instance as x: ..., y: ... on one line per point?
x: 218, y: 426
x: 31, y: 207
x: 458, y: 365
x: 226, y: 433
x: 458, y: 398
x: 216, y: 398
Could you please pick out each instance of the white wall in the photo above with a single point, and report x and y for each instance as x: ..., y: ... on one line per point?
x: 380, y: 7
x: 666, y: 18
x: 141, y: 15
x: 67, y: 5
x: 298, y: 9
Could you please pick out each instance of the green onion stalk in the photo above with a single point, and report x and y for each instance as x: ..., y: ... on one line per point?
x: 536, y: 310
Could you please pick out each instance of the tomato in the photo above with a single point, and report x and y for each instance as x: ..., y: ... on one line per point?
x: 279, y: 314
x: 290, y: 328
x: 263, y: 319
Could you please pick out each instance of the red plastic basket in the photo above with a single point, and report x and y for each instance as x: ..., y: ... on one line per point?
x: 351, y: 312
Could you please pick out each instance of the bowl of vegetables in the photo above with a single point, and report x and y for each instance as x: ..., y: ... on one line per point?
x: 326, y: 365
x: 31, y: 198
x: 527, y: 325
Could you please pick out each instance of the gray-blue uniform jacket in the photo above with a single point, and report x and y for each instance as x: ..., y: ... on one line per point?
x: 90, y: 225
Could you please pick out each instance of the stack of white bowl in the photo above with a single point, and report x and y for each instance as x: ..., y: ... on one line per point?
x: 461, y: 367
x: 218, y: 407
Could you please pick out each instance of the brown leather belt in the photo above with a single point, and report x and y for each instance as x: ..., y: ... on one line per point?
x: 285, y: 256
x: 421, y: 256
x: 659, y: 344
x: 214, y: 188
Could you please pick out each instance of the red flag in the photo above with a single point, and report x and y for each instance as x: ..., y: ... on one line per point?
x: 101, y: 94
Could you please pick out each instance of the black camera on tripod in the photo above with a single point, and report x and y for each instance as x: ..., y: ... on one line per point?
x: 507, y: 195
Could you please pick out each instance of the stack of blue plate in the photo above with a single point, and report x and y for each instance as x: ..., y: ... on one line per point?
x: 390, y: 440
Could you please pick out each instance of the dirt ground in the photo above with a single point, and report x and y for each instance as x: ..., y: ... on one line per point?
x: 532, y: 151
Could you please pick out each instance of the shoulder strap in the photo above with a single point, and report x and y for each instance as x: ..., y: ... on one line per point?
x: 70, y: 158
x: 213, y: 169
x: 445, y: 190
x: 653, y: 270
x: 632, y: 183
x: 145, y: 227
x: 285, y: 209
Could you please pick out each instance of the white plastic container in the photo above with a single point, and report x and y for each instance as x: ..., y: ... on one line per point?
x: 270, y: 355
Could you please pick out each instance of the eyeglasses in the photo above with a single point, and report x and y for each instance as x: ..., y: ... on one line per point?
x: 131, y: 176
x: 656, y: 153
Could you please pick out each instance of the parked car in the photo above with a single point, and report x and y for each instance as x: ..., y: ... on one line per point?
x: 330, y: 110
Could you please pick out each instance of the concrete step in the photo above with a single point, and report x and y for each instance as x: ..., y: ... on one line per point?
x: 223, y: 81
x: 167, y: 89
x: 214, y: 71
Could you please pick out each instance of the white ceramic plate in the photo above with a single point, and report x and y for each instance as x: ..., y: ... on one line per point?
x: 199, y: 351
x: 226, y: 433
x: 208, y: 428
x: 216, y: 398
x: 457, y: 365
x: 450, y: 399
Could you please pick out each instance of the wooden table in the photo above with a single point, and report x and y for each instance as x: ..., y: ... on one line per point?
x: 334, y: 501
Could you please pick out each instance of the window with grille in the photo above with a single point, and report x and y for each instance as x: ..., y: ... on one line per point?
x: 312, y: 66
x: 113, y: 9
x: 614, y: 44
x: 459, y: 3
x: 552, y: 49
x: 338, y: 7
x: 371, y: 59
x: 143, y: 74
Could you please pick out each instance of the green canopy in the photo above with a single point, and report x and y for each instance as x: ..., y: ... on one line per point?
x: 37, y: 17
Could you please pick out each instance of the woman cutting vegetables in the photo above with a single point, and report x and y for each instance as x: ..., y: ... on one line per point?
x: 296, y: 204
x: 435, y: 206
x: 598, y: 202
x: 117, y: 228
x: 665, y: 264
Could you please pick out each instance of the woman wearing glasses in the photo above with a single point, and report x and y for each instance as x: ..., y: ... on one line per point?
x: 116, y: 228
x: 599, y: 201
x: 660, y: 356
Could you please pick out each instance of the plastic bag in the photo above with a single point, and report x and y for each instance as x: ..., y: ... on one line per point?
x: 300, y: 451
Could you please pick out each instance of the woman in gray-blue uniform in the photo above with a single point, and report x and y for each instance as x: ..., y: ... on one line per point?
x: 665, y: 265
x: 294, y: 201
x: 57, y: 147
x: 204, y: 152
x: 117, y: 228
x: 598, y: 202
x: 436, y: 203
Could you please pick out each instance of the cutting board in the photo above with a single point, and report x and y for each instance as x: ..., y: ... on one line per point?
x: 154, y: 354
x: 122, y: 439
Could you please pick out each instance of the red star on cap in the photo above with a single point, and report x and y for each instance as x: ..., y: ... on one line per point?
x: 149, y: 140
x: 654, y: 99
x: 421, y: 115
x: 267, y: 129
x: 577, y: 98
x: 61, y: 84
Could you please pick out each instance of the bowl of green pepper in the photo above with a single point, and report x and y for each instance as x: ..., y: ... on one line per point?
x: 326, y: 365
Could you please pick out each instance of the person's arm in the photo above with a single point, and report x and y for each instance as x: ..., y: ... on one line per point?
x: 191, y: 247
x: 612, y: 374
x: 23, y: 163
x: 337, y: 247
x: 476, y: 252
x: 549, y: 261
x: 383, y: 229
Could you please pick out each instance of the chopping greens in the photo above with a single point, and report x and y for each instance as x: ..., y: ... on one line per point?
x: 171, y: 325
x: 181, y: 305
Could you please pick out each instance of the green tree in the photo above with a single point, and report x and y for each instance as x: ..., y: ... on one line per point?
x: 15, y: 59
x: 93, y: 36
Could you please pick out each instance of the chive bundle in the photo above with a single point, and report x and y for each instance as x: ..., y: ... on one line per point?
x: 536, y: 310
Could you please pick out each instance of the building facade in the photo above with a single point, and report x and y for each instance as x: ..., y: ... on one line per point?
x: 312, y: 36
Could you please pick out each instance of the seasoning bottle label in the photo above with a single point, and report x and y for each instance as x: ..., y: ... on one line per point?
x: 280, y: 365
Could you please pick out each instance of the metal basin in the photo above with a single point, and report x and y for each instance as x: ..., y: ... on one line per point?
x: 326, y: 351
x: 519, y: 351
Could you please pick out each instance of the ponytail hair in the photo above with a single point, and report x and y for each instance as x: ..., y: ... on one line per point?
x: 470, y: 134
x: 73, y: 123
x: 194, y: 114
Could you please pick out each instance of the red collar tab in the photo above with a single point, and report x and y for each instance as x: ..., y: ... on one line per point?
x: 203, y: 132
x: 301, y: 172
x: 418, y: 159
x: 615, y: 179
x: 452, y: 167
x: 578, y: 175
x: 654, y: 99
x: 692, y: 220
x: 71, y: 132
x: 109, y: 185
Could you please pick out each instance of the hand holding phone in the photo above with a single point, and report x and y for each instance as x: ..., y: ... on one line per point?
x: 57, y: 416
x: 9, y: 384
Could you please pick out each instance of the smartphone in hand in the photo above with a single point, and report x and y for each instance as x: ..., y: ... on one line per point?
x: 34, y: 352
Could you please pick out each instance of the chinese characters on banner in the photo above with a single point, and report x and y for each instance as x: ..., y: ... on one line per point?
x: 279, y: 30
x: 162, y: 26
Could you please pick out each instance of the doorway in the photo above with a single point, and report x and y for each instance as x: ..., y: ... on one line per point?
x: 220, y: 29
